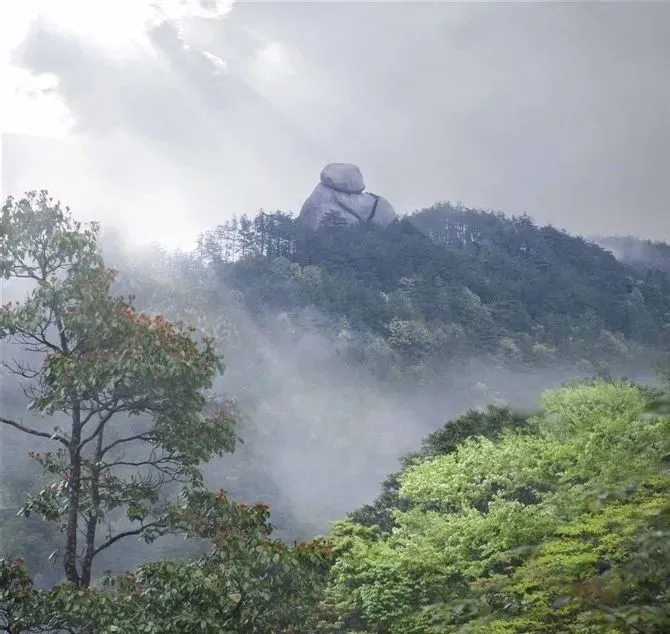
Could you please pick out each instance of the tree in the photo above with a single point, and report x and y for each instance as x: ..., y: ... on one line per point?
x: 507, y: 282
x: 133, y: 390
x: 559, y: 524
x: 248, y: 582
x: 247, y: 237
x: 490, y: 423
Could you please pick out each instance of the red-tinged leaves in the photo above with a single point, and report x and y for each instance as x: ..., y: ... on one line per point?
x: 105, y: 360
x: 247, y: 582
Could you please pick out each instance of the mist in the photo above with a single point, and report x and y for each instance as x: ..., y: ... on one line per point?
x: 320, y: 432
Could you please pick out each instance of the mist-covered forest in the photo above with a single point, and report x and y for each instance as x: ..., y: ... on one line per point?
x: 641, y: 254
x: 456, y: 423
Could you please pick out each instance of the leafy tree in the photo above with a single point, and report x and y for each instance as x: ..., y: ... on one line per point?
x: 246, y: 237
x: 522, y: 294
x: 501, y: 522
x: 125, y: 382
x: 247, y: 582
x: 561, y: 526
x: 490, y: 423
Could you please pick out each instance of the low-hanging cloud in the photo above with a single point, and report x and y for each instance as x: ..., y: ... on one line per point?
x: 320, y: 431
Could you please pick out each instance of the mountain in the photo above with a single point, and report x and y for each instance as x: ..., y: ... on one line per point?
x: 449, y: 283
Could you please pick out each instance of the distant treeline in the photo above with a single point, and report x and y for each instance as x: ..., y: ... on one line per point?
x: 447, y: 280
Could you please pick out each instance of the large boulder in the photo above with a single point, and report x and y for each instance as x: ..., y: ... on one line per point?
x: 340, y: 192
x: 343, y: 177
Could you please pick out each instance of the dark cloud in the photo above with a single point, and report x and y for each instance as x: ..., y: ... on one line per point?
x: 561, y: 110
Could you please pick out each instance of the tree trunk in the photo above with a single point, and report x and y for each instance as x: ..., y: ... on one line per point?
x: 74, y: 493
x: 93, y: 518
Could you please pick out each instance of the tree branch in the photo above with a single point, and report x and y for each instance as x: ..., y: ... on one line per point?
x: 151, y: 462
x: 117, y: 537
x: 146, y: 435
x: 165, y: 465
x: 34, y: 432
x: 20, y: 369
x: 99, y: 426
x: 37, y: 340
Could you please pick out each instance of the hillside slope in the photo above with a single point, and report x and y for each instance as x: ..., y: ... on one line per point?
x: 345, y: 346
x: 448, y: 283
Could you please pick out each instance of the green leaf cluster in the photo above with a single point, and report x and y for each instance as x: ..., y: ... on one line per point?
x: 126, y: 382
x: 559, y: 527
x: 246, y: 582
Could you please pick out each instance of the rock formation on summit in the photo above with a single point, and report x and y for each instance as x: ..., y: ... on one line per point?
x: 341, y: 192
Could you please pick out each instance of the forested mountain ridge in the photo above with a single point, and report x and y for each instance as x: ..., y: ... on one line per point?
x: 448, y: 283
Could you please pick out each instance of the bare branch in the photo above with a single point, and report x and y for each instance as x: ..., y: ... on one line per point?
x: 34, y: 432
x: 146, y: 436
x: 39, y: 342
x: 99, y: 427
x: 20, y: 369
x: 151, y: 462
x: 118, y: 536
x: 168, y: 467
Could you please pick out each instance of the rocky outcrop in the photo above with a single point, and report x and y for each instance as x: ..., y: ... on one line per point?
x: 341, y: 192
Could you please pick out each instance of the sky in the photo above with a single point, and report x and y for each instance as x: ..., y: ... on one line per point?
x: 165, y: 118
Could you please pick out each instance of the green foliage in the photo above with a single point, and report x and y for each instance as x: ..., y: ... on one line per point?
x: 489, y: 423
x: 126, y: 381
x: 247, y: 582
x: 501, y: 522
x: 132, y: 383
x: 448, y: 283
x: 17, y: 598
x: 560, y: 525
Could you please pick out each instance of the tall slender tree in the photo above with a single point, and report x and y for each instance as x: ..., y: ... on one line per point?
x: 133, y: 389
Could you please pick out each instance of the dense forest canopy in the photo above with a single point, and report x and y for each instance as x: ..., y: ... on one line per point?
x: 449, y: 281
x: 344, y: 348
x: 557, y: 522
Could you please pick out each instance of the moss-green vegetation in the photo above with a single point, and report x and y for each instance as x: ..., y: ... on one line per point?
x: 562, y: 526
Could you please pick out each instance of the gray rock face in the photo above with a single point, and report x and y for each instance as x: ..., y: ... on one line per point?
x: 341, y: 192
x: 343, y: 177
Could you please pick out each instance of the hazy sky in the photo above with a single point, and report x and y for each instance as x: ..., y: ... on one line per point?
x: 165, y: 118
